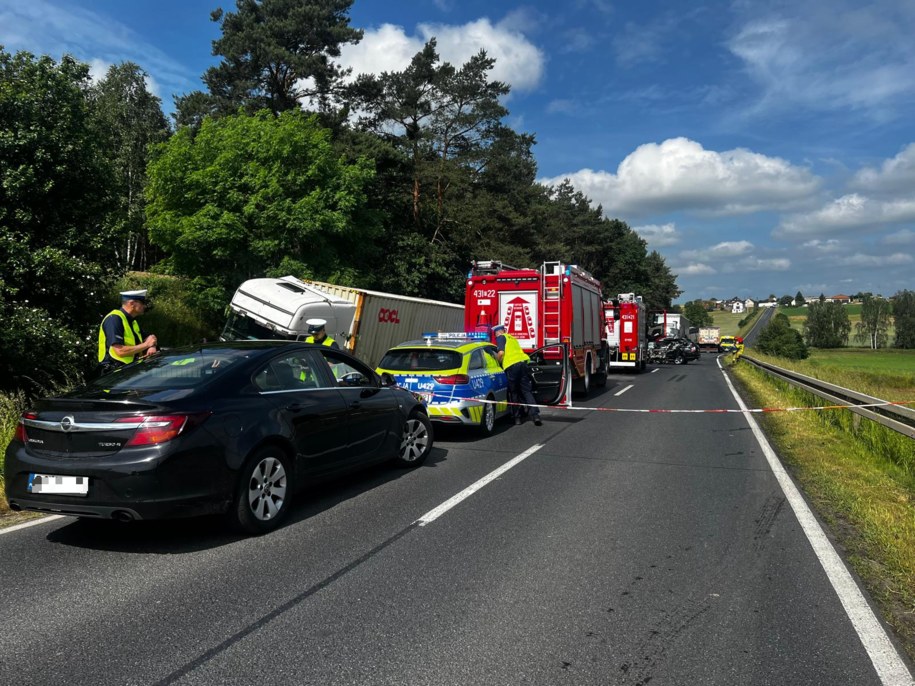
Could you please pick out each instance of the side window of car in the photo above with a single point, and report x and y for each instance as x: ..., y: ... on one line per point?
x: 289, y: 373
x: 476, y: 360
x: 348, y: 373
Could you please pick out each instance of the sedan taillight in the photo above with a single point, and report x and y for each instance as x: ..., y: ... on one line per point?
x: 452, y: 379
x: 20, y: 427
x: 156, y: 429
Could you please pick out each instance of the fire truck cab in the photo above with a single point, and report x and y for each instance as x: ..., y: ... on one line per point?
x: 554, y: 308
x: 626, y: 332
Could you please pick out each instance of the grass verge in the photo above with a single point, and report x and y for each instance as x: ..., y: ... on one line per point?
x: 860, y: 478
x: 11, y: 407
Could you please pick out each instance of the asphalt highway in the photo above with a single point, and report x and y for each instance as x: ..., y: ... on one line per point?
x: 613, y: 548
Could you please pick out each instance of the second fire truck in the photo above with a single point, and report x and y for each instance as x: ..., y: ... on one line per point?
x: 551, y: 305
x: 627, y: 340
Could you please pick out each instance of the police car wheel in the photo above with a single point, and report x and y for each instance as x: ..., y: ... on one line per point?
x: 264, y: 492
x: 488, y: 418
x: 416, y: 441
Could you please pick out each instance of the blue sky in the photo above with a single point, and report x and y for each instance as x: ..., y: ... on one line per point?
x: 761, y: 146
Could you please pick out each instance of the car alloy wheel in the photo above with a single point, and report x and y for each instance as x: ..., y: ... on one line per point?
x: 416, y: 440
x: 264, y: 492
x: 488, y: 419
x: 267, y: 489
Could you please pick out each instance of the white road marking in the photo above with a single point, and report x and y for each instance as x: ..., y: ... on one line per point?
x: 624, y: 390
x: 32, y: 522
x: 432, y: 515
x: 889, y: 665
x: 656, y: 369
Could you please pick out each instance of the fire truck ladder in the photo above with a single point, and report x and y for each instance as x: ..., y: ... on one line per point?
x: 552, y: 299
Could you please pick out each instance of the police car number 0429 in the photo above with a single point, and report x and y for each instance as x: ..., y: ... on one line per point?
x: 56, y: 483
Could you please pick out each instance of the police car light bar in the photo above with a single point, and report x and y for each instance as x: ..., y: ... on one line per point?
x: 456, y: 335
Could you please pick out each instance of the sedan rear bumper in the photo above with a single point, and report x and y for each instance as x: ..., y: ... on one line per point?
x: 145, y: 484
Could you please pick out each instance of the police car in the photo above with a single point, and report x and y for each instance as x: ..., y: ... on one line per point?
x: 452, y: 372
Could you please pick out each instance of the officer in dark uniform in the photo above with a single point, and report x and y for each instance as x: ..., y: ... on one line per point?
x: 120, y: 340
x: 317, y: 334
x: 520, y: 379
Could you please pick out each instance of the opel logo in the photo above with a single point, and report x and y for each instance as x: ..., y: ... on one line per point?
x: 67, y: 423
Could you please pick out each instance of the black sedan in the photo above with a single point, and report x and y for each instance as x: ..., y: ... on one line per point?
x: 234, y: 428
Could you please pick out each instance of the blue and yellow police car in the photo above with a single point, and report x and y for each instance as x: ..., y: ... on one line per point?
x: 452, y: 372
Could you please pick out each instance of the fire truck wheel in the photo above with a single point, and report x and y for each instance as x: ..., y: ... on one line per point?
x: 600, y: 379
x: 583, y: 385
x: 488, y: 419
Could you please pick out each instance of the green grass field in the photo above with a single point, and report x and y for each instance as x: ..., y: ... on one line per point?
x: 798, y: 315
x: 887, y: 374
x: 727, y: 322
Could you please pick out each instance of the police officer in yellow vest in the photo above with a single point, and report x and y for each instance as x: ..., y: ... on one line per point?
x: 120, y: 341
x: 317, y: 334
x: 520, y: 380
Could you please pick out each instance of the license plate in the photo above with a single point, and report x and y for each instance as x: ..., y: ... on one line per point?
x: 58, y: 484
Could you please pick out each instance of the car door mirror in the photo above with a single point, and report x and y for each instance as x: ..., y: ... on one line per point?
x: 387, y: 379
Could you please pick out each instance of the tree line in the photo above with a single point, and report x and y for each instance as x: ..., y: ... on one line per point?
x: 283, y: 164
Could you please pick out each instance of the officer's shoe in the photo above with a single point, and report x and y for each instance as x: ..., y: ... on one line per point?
x: 537, y: 421
x: 517, y: 421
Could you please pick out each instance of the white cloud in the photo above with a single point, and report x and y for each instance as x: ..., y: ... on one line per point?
x: 904, y: 237
x: 721, y: 251
x: 680, y: 174
x: 694, y: 269
x: 658, y: 235
x: 853, y: 212
x: 561, y: 107
x: 895, y: 175
x: 757, y: 264
x: 838, y: 55
x: 56, y: 29
x: 860, y: 260
x: 388, y: 48
x: 827, y: 247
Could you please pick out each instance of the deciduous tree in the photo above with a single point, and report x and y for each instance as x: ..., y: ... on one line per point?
x: 827, y: 324
x: 875, y: 321
x: 57, y: 254
x: 904, y: 319
x: 129, y: 120
x: 250, y: 194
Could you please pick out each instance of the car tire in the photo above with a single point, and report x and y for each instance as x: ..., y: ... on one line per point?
x: 679, y: 359
x: 488, y: 417
x: 264, y: 492
x: 415, y: 441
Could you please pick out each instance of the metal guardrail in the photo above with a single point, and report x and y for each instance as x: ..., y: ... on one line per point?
x: 896, y: 417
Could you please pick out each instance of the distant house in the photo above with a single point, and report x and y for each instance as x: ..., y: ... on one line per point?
x: 844, y: 299
x: 738, y: 307
x: 749, y: 304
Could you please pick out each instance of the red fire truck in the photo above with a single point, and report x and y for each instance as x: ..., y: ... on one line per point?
x: 626, y: 332
x: 553, y: 305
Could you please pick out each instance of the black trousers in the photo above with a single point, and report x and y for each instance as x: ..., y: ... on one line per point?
x: 520, y: 389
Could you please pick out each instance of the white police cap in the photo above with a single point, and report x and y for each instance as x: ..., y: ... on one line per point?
x: 134, y: 295
x: 315, y: 324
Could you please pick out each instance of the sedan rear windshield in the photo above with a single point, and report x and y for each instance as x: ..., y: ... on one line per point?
x: 420, y: 360
x: 185, y: 369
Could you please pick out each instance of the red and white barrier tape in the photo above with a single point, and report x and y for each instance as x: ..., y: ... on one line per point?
x: 661, y: 411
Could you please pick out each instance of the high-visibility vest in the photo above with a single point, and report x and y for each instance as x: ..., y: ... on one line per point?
x: 132, y: 336
x: 513, y: 352
x: 328, y: 341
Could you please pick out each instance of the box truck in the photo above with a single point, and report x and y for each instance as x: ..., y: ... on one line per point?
x: 365, y: 323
